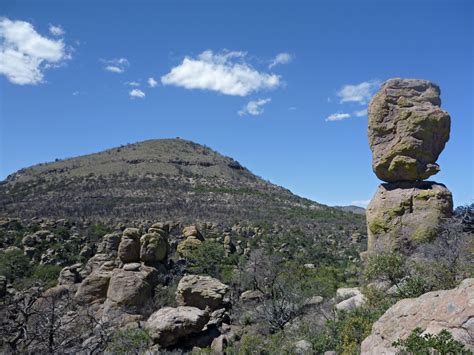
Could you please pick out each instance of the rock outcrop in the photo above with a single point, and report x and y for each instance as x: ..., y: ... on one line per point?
x: 407, y: 130
x: 452, y: 310
x: 201, y: 292
x: 404, y: 214
x: 129, y: 248
x: 168, y: 325
x: 154, y: 247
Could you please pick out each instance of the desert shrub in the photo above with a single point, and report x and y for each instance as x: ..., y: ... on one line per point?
x: 418, y: 343
x: 98, y: 230
x: 46, y: 274
x: 129, y: 341
x: 14, y: 264
x: 210, y: 259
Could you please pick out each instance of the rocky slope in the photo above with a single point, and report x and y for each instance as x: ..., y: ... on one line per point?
x: 169, y: 179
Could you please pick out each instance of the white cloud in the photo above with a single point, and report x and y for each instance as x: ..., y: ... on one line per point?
x: 339, y: 116
x: 360, y: 93
x: 56, y: 30
x: 25, y: 54
x: 281, y: 58
x: 136, y: 93
x: 133, y: 83
x: 152, y: 82
x: 225, y: 72
x: 292, y: 108
x: 254, y: 107
x: 361, y: 203
x: 116, y: 65
x: 360, y: 113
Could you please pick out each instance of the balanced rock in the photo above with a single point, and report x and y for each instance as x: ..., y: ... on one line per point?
x: 168, y: 325
x: 154, y: 247
x: 452, y: 310
x: 201, y: 292
x: 404, y: 214
x: 407, y: 130
x: 129, y: 248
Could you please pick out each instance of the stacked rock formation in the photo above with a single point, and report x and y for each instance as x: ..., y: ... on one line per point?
x: 407, y: 132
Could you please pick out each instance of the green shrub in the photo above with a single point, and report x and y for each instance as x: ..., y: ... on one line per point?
x: 417, y: 343
x: 129, y: 341
x: 46, y: 274
x: 14, y: 265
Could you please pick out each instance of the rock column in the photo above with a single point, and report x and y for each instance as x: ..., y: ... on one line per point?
x: 407, y: 132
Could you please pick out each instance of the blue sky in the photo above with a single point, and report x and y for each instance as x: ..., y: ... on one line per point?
x: 269, y: 83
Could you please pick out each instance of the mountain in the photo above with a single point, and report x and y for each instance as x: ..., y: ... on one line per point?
x: 352, y: 208
x: 166, y: 179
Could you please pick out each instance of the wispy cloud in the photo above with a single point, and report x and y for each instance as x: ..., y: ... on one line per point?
x: 133, y: 83
x: 360, y: 93
x: 361, y: 203
x: 116, y: 65
x: 360, y: 113
x: 25, y: 54
x: 225, y: 72
x: 254, y: 107
x: 56, y: 30
x: 281, y: 58
x: 136, y: 93
x: 152, y: 82
x: 338, y: 116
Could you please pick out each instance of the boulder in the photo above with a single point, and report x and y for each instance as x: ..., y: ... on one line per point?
x: 93, y: 289
x: 192, y: 231
x: 404, y: 214
x: 70, y: 275
x: 351, y: 303
x: 109, y: 244
x: 201, y: 292
x: 154, y: 247
x: 407, y: 130
x: 251, y: 296
x: 219, y: 344
x: 303, y: 347
x: 187, y: 246
x: 129, y: 247
x: 452, y: 310
x: 131, y: 290
x: 168, y: 325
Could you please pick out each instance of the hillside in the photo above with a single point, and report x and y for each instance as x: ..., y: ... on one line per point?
x: 168, y: 179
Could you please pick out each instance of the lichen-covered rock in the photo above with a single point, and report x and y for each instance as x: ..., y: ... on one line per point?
x: 129, y: 247
x: 187, y: 246
x: 192, y: 231
x: 168, y: 325
x: 407, y: 130
x: 405, y: 214
x: 154, y: 247
x: 452, y: 310
x: 201, y: 292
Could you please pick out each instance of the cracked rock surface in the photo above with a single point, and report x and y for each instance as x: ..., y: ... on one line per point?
x: 452, y: 310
